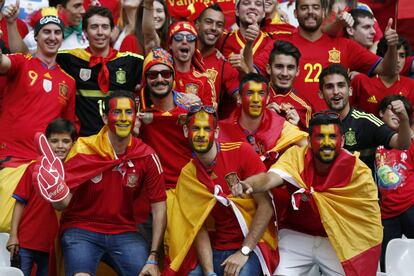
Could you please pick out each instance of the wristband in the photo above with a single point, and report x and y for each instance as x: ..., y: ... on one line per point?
x: 151, y: 262
x: 211, y: 274
x: 154, y: 252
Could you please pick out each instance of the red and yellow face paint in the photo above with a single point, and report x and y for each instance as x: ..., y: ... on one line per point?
x: 254, y: 97
x: 121, y: 116
x: 201, y: 132
x: 326, y: 142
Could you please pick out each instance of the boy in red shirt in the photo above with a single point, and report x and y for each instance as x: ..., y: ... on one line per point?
x: 34, y: 222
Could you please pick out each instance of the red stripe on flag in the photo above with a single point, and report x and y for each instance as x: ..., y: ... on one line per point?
x: 405, y: 9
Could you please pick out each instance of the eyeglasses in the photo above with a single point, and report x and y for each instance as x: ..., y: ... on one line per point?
x: 326, y: 114
x: 206, y: 108
x: 152, y: 75
x: 180, y: 37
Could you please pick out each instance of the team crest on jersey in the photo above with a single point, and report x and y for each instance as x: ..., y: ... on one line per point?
x: 85, y: 74
x: 231, y: 179
x: 97, y: 178
x: 191, y: 88
x: 212, y: 74
x: 63, y: 90
x: 132, y: 180
x: 334, y: 56
x: 47, y: 85
x: 350, y: 138
x: 121, y: 76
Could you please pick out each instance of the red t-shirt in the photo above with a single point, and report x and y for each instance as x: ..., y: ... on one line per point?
x: 33, y: 97
x: 39, y: 225
x: 130, y: 44
x: 196, y: 83
x: 369, y: 92
x: 226, y: 81
x: 113, y: 5
x: 290, y: 100
x: 106, y: 202
x: 395, y: 179
x: 227, y: 234
x: 318, y: 55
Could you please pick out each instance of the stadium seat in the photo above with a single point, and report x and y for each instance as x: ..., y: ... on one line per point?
x: 4, y: 254
x: 10, y: 271
x: 399, y: 257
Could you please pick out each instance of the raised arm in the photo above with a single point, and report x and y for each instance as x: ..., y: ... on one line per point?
x: 388, y: 64
x: 16, y: 44
x: 402, y: 139
x: 151, y: 38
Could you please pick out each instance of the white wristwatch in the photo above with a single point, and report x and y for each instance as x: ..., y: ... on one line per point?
x: 245, y: 250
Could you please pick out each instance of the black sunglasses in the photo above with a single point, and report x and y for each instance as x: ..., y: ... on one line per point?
x: 152, y: 75
x: 180, y: 37
x: 326, y: 114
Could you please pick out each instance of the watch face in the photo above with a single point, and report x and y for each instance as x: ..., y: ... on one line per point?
x: 245, y: 250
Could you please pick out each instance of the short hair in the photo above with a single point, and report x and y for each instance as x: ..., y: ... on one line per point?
x: 282, y: 47
x: 191, y: 113
x: 333, y: 69
x: 61, y: 125
x: 358, y: 13
x: 325, y: 117
x: 94, y: 10
x: 54, y: 3
x: 386, y: 101
x: 118, y: 94
x: 382, y: 46
x: 261, y: 24
x: 252, y: 77
x: 214, y: 7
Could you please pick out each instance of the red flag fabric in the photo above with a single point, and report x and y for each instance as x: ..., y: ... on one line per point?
x: 405, y: 9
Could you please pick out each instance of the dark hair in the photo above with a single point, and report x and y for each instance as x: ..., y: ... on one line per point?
x: 252, y: 77
x: 383, y: 47
x: 214, y: 7
x: 282, y: 47
x: 333, y: 69
x: 383, y: 105
x: 94, y: 10
x: 357, y: 14
x: 60, y: 125
x: 118, y: 94
x: 162, y: 33
x: 325, y: 117
x: 54, y: 3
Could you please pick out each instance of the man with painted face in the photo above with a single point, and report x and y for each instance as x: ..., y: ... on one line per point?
x: 114, y: 167
x: 333, y: 220
x: 268, y: 133
x: 203, y: 194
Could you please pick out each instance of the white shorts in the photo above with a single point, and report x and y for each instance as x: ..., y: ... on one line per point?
x: 299, y: 252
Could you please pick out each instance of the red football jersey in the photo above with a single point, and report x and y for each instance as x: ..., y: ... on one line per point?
x: 38, y: 225
x: 106, y: 203
x: 36, y: 95
x: 21, y: 28
x: 395, y: 179
x: 228, y: 235
x: 367, y: 93
x: 290, y: 100
x: 318, y: 55
x: 197, y: 83
x: 226, y: 81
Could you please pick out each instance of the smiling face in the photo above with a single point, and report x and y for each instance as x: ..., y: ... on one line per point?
x: 183, y: 50
x: 309, y: 15
x: 161, y: 86
x: 121, y: 116
x: 336, y: 92
x: 49, y: 39
x: 326, y: 142
x: 250, y: 11
x: 201, y: 132
x: 60, y: 144
x: 159, y: 15
x: 254, y: 97
x: 210, y: 27
x: 99, y: 33
x: 283, y: 72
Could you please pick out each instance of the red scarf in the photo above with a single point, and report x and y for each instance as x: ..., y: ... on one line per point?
x: 103, y: 77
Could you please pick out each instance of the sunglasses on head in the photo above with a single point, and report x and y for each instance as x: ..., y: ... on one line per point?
x: 206, y: 108
x: 180, y: 37
x: 152, y: 75
x: 326, y: 114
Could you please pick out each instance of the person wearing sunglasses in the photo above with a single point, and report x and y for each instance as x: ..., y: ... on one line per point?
x: 242, y: 234
x: 190, y: 76
x: 363, y: 131
x: 333, y: 219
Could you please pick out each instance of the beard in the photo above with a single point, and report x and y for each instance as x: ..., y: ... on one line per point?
x: 160, y: 95
x: 310, y: 29
x: 209, y: 146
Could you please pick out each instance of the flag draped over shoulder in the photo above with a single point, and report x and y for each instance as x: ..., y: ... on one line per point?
x: 347, y: 203
x: 195, y: 196
x: 95, y: 154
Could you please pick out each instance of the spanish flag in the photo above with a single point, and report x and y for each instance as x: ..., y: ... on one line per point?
x: 347, y: 203
x: 195, y: 196
x: 95, y: 154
